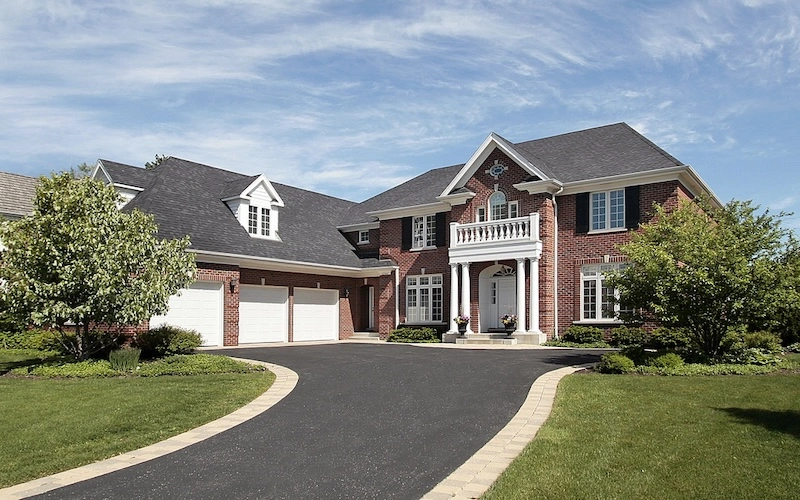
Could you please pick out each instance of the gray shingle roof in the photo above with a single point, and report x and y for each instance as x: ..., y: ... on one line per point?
x: 586, y: 154
x: 16, y: 194
x: 128, y: 174
x: 185, y: 198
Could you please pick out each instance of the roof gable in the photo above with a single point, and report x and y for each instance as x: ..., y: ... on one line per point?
x: 257, y: 186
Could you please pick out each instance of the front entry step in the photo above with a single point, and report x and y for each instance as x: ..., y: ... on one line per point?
x: 486, y: 339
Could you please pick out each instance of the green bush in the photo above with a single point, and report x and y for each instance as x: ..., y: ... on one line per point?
x: 125, y: 360
x: 628, y: 336
x: 583, y: 334
x: 615, y: 363
x: 42, y: 340
x: 668, y: 360
x: 766, y: 341
x: 793, y: 347
x: 84, y: 369
x: 426, y: 335
x: 563, y: 343
x: 751, y: 348
x: 195, y: 364
x: 669, y: 338
x: 167, y: 340
x: 699, y: 369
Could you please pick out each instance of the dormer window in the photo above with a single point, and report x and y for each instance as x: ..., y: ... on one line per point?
x: 258, y: 221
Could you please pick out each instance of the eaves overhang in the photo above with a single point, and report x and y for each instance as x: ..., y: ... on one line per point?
x: 424, y: 209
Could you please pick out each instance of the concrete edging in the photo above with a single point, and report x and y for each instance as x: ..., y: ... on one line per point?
x: 285, y: 382
x: 480, y: 471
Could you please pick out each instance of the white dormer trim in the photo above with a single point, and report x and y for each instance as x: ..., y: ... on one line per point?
x: 489, y: 144
x: 277, y: 201
x: 268, y: 200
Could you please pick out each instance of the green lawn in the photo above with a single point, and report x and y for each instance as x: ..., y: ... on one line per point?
x: 51, y: 425
x: 617, y: 436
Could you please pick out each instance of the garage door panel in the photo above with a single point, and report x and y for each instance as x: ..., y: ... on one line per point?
x: 199, y: 308
x: 316, y: 314
x: 263, y: 314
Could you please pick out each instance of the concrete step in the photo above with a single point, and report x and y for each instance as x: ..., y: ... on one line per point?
x: 486, y: 339
x: 365, y: 336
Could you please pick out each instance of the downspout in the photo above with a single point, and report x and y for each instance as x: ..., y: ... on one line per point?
x: 397, y: 296
x: 555, y: 262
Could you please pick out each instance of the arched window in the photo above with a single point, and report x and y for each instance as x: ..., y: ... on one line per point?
x: 498, y: 208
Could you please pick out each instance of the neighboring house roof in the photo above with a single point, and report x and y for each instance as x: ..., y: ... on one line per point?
x: 186, y: 198
x: 16, y: 195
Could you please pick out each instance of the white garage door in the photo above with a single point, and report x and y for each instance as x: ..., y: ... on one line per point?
x: 316, y: 314
x: 263, y: 314
x: 199, y: 308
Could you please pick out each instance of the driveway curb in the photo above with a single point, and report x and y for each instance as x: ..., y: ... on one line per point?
x: 285, y: 382
x: 481, y: 470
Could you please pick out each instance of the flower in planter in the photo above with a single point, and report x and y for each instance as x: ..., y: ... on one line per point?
x: 509, y: 319
x: 461, y: 319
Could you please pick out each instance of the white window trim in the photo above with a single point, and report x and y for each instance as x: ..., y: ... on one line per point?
x: 273, y: 221
x: 430, y: 287
x: 598, y: 278
x: 480, y: 211
x: 424, y: 236
x: 607, y: 223
x: 362, y: 241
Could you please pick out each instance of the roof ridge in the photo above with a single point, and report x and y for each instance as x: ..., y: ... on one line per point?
x: 653, y: 145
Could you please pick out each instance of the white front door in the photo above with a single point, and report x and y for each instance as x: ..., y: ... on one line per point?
x: 498, y: 297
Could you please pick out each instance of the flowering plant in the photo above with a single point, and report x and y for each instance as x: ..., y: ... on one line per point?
x: 509, y: 319
x: 461, y: 319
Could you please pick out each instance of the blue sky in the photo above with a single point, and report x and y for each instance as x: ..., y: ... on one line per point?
x: 350, y: 98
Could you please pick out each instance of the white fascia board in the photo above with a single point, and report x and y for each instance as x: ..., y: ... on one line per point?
x: 425, y: 209
x: 267, y: 185
x: 270, y: 264
x: 681, y: 173
x: 363, y: 226
x: 100, y: 168
x: 457, y: 199
x: 533, y: 187
x: 480, y: 156
x: 126, y: 186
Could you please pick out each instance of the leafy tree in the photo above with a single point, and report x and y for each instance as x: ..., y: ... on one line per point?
x: 706, y: 269
x: 79, y: 259
x: 150, y: 165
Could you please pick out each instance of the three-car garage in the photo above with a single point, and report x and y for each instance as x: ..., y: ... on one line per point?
x: 264, y: 313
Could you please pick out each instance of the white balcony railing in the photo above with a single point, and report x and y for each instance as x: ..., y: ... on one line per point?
x: 518, y: 229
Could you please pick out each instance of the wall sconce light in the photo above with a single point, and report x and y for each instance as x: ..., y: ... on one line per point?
x: 233, y: 285
x: 346, y: 292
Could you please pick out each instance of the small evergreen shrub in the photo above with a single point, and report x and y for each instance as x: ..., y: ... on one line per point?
x: 664, y: 338
x: 583, y: 334
x: 125, y: 360
x: 766, y: 341
x: 167, y: 340
x: 668, y: 360
x: 408, y: 335
x: 628, y: 336
x: 615, y: 363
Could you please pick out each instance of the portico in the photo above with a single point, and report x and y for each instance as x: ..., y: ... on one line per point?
x: 502, y: 288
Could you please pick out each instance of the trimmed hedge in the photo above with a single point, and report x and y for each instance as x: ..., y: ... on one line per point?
x: 583, y: 334
x: 624, y: 336
x: 408, y: 335
x: 615, y: 363
x: 167, y: 340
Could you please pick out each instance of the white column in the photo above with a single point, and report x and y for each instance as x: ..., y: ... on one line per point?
x: 520, y: 296
x: 534, y: 322
x: 465, y: 304
x: 453, y: 297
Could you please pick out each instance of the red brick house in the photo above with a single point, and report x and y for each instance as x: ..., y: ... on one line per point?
x: 525, y: 229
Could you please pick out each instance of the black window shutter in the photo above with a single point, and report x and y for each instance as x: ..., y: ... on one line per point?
x: 441, y: 229
x: 582, y: 213
x: 406, y: 229
x: 632, y: 207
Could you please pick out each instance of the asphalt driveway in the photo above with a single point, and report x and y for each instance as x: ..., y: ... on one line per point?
x: 365, y: 421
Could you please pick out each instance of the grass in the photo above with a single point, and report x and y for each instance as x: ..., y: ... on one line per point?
x: 51, y: 425
x: 15, y: 358
x: 618, y: 436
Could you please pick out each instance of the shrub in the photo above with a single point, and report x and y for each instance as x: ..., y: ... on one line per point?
x: 42, y: 340
x: 167, y: 340
x: 668, y: 360
x: 751, y: 348
x: 793, y: 347
x: 564, y: 343
x: 195, y: 364
x: 628, y: 336
x: 615, y: 363
x: 427, y: 335
x: 583, y: 334
x: 125, y: 360
x: 669, y: 338
x: 765, y: 341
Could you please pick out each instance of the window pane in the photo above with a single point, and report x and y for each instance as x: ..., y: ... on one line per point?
x: 424, y: 304
x: 598, y: 211
x: 436, y: 303
x: 424, y: 280
x: 252, y: 221
x: 589, y: 299
x: 498, y: 209
x: 436, y: 280
x: 363, y: 236
x: 607, y: 301
x: 265, y: 222
x: 513, y: 210
x: 412, y: 314
x: 419, y: 232
x: 617, y: 208
x: 412, y: 281
x: 481, y: 214
x: 430, y: 233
